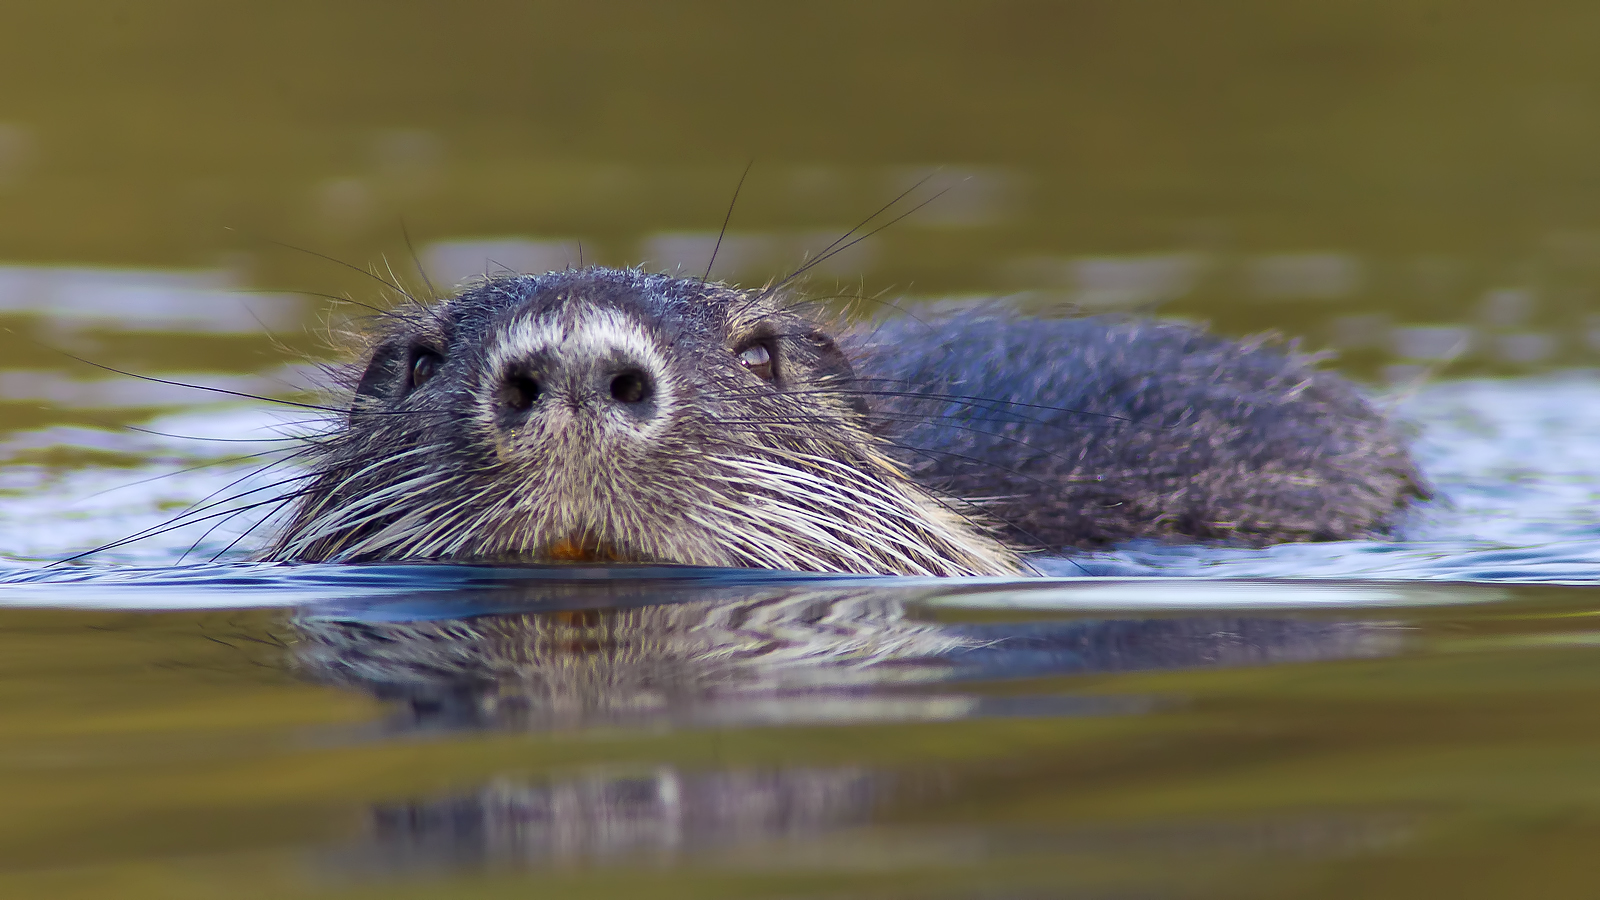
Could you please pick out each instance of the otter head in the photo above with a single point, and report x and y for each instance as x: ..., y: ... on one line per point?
x: 604, y: 415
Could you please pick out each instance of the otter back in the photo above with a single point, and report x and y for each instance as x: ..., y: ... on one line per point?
x: 1085, y: 432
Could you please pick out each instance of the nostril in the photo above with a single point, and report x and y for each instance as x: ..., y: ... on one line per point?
x: 519, y: 391
x: 631, y: 386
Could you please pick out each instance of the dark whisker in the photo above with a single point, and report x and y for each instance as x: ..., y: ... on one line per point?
x: 973, y: 460
x: 157, y: 532
x: 497, y: 264
x: 195, y: 468
x: 829, y: 254
x: 242, y: 535
x: 966, y: 400
x: 215, y: 440
x: 251, y: 530
x: 984, y: 511
x: 336, y: 298
x: 351, y: 266
x: 417, y: 262
x: 857, y: 297
x: 995, y: 403
x: 839, y: 243
x: 198, y: 387
x: 773, y: 421
x: 191, y: 515
x: 863, y: 223
x: 391, y: 283
x: 1007, y: 438
x: 725, y: 220
x: 198, y: 507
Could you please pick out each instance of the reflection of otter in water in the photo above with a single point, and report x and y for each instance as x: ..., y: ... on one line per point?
x: 607, y: 814
x: 706, y: 657
x: 753, y: 656
x: 612, y: 415
x: 777, y: 654
x: 796, y: 817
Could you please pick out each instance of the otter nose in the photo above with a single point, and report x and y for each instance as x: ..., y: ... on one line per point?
x: 595, y: 368
x: 632, y: 386
x: 590, y: 387
x: 618, y: 384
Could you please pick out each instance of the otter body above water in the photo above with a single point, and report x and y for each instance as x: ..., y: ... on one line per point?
x: 606, y: 414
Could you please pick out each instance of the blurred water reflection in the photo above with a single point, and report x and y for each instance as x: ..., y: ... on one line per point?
x: 791, y: 819
x: 785, y: 654
x: 652, y: 817
x: 788, y: 656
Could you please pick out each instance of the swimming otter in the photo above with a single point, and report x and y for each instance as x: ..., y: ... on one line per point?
x: 604, y: 414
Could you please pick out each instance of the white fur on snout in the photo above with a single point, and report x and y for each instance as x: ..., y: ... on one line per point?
x: 582, y: 340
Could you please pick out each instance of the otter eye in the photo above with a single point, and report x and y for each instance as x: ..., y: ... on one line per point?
x: 758, y: 359
x: 519, y: 391
x: 423, y: 367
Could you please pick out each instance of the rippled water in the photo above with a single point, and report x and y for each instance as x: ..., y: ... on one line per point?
x: 690, y: 732
x: 192, y: 193
x: 1318, y: 720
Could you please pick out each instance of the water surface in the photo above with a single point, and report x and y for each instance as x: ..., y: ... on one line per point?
x: 698, y: 735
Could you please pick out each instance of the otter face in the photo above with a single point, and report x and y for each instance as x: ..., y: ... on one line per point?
x: 606, y: 415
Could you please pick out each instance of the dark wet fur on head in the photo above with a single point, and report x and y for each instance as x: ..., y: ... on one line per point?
x: 513, y: 449
x: 602, y: 414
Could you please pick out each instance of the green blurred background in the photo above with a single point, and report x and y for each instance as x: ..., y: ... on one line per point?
x: 1331, y: 170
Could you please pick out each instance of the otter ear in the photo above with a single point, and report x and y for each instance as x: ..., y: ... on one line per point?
x: 831, y: 361
x: 834, y: 369
x: 383, y: 374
